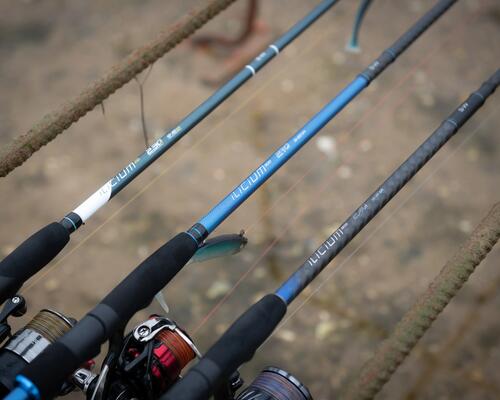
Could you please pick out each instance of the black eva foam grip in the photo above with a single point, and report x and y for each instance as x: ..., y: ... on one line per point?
x: 49, y: 370
x: 235, y: 347
x: 30, y: 257
x: 138, y: 289
x: 135, y: 292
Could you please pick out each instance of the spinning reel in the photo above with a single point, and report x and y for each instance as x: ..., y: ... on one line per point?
x: 150, y: 360
x: 142, y: 365
x: 27, y: 343
x: 271, y: 384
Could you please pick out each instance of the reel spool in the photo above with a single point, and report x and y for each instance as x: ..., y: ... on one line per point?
x: 275, y: 384
x: 172, y: 353
x: 167, y: 347
x: 149, y: 361
x: 27, y: 343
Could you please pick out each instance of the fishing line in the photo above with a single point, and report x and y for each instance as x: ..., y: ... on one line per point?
x: 302, y: 211
x: 275, y: 241
x: 156, y: 271
x: 421, y: 64
x: 239, y: 343
x: 285, y: 194
x: 390, y: 216
x: 289, y: 66
x: 252, y: 267
x: 43, y: 246
x: 364, y: 117
x: 322, y: 157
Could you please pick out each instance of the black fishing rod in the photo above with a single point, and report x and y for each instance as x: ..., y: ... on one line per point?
x: 43, y: 246
x: 45, y: 374
x: 240, y: 342
x: 161, y: 349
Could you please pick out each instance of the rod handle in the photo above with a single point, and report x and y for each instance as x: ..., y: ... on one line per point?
x: 30, y: 257
x: 138, y: 289
x: 134, y: 293
x: 235, y: 347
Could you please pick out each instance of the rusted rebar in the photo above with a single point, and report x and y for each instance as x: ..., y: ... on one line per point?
x: 52, y: 124
x: 393, y: 351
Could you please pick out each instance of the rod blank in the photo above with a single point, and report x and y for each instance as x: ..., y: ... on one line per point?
x: 370, y: 208
x: 248, y: 186
x: 218, y: 363
x: 133, y: 169
x: 121, y: 297
x: 37, y: 251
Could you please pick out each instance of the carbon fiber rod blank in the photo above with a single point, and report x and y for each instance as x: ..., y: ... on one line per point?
x: 393, y: 351
x: 370, y: 208
x: 161, y: 267
x: 243, y: 338
x: 248, y: 186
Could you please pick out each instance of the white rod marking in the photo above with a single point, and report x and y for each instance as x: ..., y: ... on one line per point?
x: 94, y: 202
x: 276, y: 50
x: 252, y: 70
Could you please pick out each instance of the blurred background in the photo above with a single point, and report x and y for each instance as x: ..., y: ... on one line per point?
x: 51, y: 49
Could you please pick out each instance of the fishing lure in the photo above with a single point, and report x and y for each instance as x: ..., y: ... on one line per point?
x: 217, y: 247
x: 43, y: 246
x: 138, y: 289
x: 258, y: 323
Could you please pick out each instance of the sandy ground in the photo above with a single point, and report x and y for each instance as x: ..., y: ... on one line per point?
x: 51, y: 49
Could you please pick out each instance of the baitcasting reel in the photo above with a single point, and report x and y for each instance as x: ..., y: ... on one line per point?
x: 27, y: 343
x: 144, y: 365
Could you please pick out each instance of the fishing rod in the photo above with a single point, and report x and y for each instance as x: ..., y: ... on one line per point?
x: 240, y: 342
x: 49, y: 325
x: 217, y: 247
x: 106, y: 321
x: 149, y: 361
x: 43, y: 246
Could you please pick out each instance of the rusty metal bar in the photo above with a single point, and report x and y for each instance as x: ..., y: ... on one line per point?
x: 393, y: 351
x: 52, y: 124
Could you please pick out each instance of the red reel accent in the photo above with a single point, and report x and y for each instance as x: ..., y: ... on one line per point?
x: 171, y: 355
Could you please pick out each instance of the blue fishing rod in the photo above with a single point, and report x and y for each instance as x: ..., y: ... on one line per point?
x: 43, y: 246
x: 45, y: 374
x: 240, y: 342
